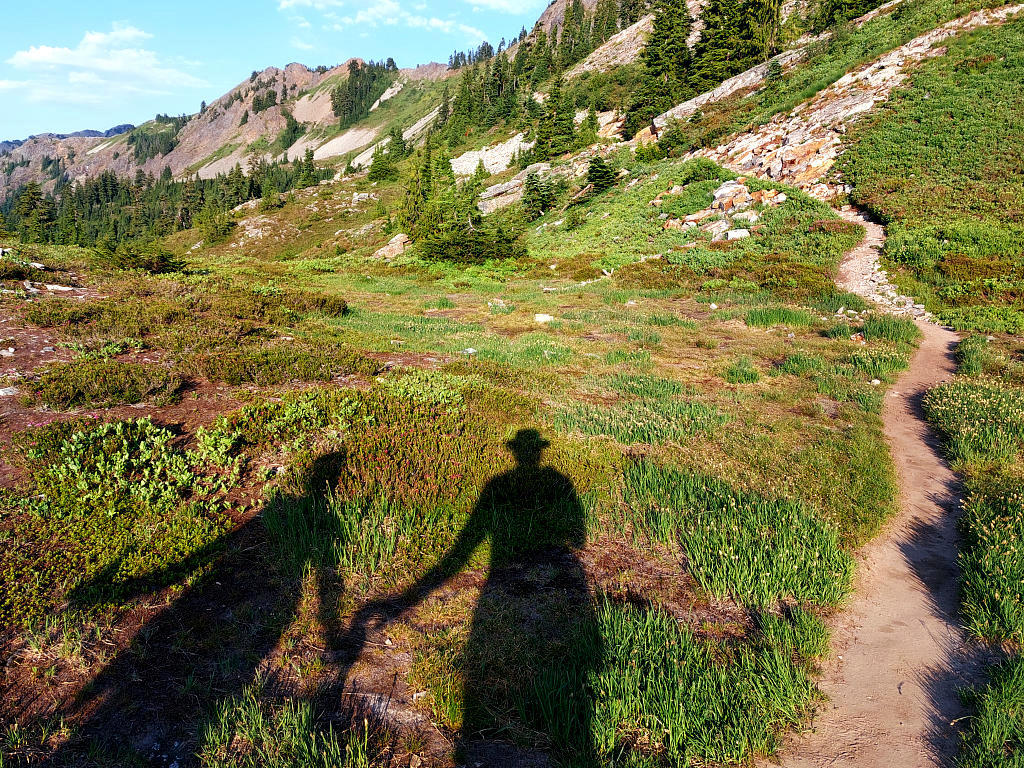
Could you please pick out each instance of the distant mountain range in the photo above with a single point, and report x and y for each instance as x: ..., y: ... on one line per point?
x: 117, y: 130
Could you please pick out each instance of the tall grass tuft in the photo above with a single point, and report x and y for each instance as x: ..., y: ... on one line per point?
x: 738, y: 544
x: 664, y: 691
x: 890, y: 328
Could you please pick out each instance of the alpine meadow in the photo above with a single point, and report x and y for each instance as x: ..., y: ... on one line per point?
x: 644, y: 390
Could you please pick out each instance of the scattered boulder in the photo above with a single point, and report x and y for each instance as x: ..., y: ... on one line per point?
x: 737, y: 234
x: 717, y: 229
x: 543, y: 319
x: 395, y: 247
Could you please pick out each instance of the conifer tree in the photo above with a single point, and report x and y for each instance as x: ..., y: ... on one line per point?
x: 271, y: 195
x: 630, y: 12
x: 726, y: 45
x: 538, y: 196
x: 666, y: 63
x: 446, y: 107
x: 561, y: 117
x: 601, y: 175
x: 396, y: 144
x: 382, y: 167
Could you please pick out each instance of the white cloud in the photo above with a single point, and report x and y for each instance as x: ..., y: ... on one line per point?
x: 506, y: 6
x: 103, y: 66
x: 383, y: 13
x: 300, y: 44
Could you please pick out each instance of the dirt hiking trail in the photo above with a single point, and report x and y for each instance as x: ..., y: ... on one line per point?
x: 899, y: 656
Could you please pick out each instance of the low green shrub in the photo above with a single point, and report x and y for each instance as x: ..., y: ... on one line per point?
x: 104, y: 383
x: 473, y: 244
x: 113, y: 510
x: 270, y: 366
x: 985, y: 319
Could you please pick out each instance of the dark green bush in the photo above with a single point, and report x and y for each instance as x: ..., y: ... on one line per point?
x: 473, y: 244
x: 271, y: 366
x: 104, y: 383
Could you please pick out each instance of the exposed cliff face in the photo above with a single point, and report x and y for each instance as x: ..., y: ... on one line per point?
x: 554, y: 14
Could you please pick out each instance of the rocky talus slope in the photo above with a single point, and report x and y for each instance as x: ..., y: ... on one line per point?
x: 800, y: 148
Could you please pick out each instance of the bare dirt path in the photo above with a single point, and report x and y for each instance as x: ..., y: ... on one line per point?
x: 899, y: 654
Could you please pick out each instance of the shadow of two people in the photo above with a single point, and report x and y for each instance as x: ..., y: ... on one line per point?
x: 533, y: 638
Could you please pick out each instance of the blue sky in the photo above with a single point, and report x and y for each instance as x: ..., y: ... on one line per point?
x: 67, y: 66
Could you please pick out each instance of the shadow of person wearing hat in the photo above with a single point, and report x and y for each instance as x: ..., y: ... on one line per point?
x: 534, y: 637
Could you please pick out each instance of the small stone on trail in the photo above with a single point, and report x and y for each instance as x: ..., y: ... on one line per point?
x: 8, y: 391
x: 540, y: 318
x: 712, y: 306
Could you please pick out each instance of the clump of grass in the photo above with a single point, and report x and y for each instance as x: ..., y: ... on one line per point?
x: 843, y: 385
x: 105, y: 383
x: 992, y: 559
x: 645, y: 386
x: 666, y: 321
x: 742, y: 371
x: 739, y: 544
x: 833, y: 301
x: 442, y: 302
x: 282, y: 735
x: 644, y: 338
x: 994, y: 734
x: 801, y: 364
x: 646, y: 421
x: 900, y: 330
x: 982, y: 420
x: 971, y: 355
x: 714, y: 705
x: 768, y: 317
x: 839, y: 331
x: 879, y: 363
x: 639, y: 359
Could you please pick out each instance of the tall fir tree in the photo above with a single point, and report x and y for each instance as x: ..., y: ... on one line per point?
x: 667, y: 65
x: 726, y: 45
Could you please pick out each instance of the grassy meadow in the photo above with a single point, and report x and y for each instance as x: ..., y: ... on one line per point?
x: 954, y: 203
x: 330, y: 510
